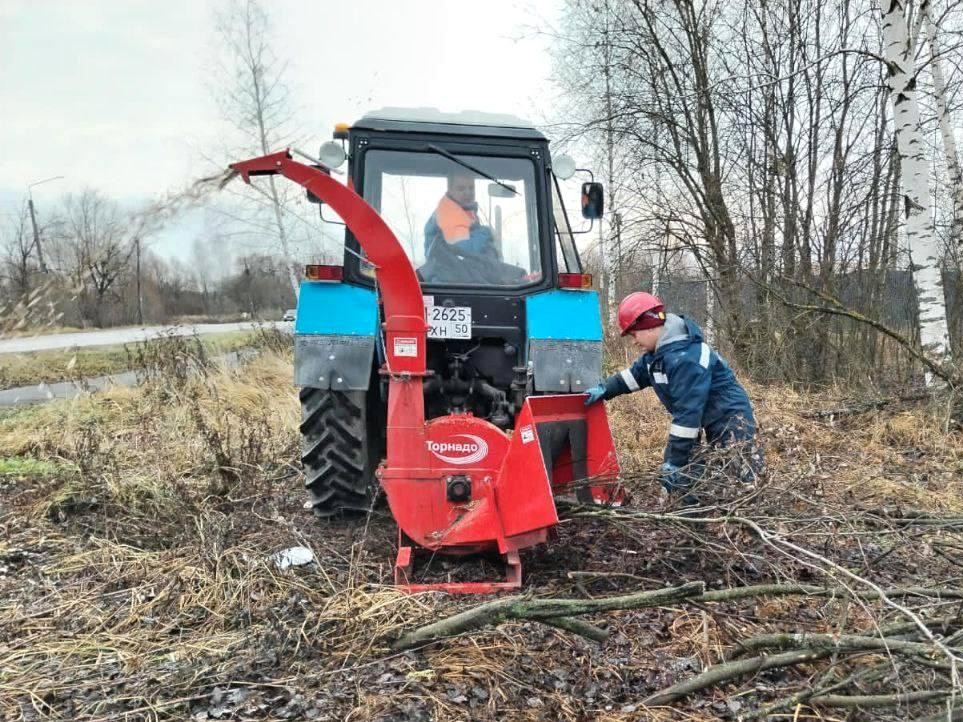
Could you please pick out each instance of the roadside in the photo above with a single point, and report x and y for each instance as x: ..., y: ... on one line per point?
x: 52, y: 328
x: 69, y: 368
x: 116, y: 336
x: 45, y: 330
x: 61, y: 390
x: 44, y: 392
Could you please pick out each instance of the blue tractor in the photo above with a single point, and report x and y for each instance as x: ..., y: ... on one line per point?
x: 475, y: 201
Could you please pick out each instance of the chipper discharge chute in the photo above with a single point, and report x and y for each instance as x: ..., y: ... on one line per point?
x: 444, y: 361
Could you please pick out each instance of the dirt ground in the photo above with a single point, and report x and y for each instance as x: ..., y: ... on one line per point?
x: 136, y: 577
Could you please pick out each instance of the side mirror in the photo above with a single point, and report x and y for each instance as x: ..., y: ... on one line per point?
x: 593, y: 200
x: 308, y: 194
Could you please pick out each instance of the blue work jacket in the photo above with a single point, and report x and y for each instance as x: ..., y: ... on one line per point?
x: 697, y: 388
x: 479, y: 241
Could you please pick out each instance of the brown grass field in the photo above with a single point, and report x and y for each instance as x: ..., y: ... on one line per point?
x: 135, y: 580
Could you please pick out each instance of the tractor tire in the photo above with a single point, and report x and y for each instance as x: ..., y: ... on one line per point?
x: 337, y: 452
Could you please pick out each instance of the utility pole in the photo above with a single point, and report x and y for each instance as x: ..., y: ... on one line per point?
x: 36, y: 236
x: 33, y: 219
x: 140, y: 296
x: 250, y: 291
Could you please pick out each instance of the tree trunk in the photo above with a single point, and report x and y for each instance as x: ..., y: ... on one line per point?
x: 920, y: 235
x: 946, y: 128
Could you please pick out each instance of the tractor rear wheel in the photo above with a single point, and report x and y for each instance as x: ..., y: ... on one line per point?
x: 338, y: 456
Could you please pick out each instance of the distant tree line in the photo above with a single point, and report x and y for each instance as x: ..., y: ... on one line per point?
x: 96, y: 263
x: 91, y: 269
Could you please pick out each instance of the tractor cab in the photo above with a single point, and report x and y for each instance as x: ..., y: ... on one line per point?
x: 470, y: 196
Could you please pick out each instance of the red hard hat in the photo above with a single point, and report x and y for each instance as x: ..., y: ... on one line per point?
x: 636, y: 304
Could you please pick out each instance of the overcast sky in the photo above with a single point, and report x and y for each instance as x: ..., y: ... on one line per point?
x: 117, y: 95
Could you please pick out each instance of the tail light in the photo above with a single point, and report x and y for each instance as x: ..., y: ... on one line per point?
x: 314, y: 272
x: 575, y: 280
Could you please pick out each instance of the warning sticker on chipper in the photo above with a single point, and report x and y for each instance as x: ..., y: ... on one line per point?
x: 405, y: 346
x: 528, y: 435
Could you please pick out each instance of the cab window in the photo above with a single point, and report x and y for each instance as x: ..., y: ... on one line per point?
x: 469, y: 223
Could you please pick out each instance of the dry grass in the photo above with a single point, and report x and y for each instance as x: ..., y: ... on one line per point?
x: 136, y: 582
x: 76, y: 364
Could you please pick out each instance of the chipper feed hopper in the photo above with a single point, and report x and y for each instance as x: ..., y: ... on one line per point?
x: 447, y: 355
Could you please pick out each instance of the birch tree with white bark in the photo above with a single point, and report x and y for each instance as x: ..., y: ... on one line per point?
x: 924, y: 247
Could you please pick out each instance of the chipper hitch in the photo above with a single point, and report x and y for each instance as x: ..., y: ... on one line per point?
x: 458, y: 484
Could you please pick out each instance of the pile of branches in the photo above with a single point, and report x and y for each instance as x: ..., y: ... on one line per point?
x: 898, y: 645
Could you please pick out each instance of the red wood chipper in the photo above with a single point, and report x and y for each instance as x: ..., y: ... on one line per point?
x: 446, y: 357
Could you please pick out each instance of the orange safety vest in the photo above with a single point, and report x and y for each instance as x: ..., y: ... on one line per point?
x: 453, y: 220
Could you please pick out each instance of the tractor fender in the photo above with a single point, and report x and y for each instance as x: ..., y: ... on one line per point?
x: 334, y: 336
x: 564, y: 340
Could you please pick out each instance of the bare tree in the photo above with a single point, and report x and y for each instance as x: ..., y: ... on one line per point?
x: 255, y: 100
x: 208, y: 265
x: 945, y: 123
x: 17, y: 248
x: 756, y: 151
x: 97, y: 250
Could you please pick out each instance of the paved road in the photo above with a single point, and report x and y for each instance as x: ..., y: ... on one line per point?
x: 110, y: 337
x: 44, y: 392
x: 63, y: 389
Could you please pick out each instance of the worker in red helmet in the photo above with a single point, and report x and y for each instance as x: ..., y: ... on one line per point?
x: 692, y: 381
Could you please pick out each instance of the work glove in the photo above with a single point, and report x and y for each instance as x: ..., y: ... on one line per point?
x: 596, y: 393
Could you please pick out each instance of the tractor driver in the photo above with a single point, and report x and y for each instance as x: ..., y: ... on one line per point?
x: 455, y: 220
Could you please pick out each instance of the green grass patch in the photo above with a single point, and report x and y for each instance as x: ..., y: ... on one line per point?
x: 30, y: 369
x: 27, y: 466
x: 8, y: 413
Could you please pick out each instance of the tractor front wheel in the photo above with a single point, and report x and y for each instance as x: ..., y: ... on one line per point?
x: 336, y: 452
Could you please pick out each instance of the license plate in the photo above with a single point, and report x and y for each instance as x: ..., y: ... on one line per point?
x: 448, y: 321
